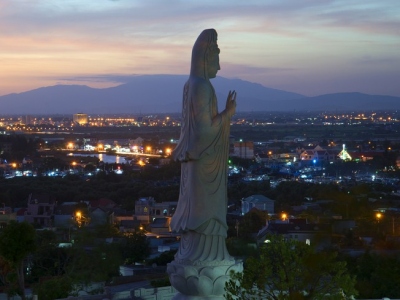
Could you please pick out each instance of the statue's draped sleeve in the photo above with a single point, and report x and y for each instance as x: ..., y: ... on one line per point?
x: 202, y: 126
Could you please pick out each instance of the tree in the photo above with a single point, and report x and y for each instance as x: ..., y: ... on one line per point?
x: 90, y: 168
x: 6, y: 276
x: 17, y: 240
x: 377, y: 275
x: 163, y: 259
x: 136, y: 248
x: 54, y: 288
x: 291, y: 270
x: 61, y: 271
x: 49, y: 259
x: 92, y: 264
x: 251, y: 223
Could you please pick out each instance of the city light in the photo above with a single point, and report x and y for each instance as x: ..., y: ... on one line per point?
x: 78, y: 216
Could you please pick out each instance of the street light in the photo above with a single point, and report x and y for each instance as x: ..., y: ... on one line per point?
x: 73, y: 165
x: 78, y: 215
x: 378, y: 217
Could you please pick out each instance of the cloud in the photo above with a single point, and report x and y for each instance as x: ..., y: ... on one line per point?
x: 74, y: 38
x: 103, y: 78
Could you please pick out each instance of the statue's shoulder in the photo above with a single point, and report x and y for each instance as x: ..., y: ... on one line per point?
x: 199, y: 85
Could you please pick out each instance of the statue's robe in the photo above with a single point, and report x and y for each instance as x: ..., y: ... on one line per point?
x: 203, y: 149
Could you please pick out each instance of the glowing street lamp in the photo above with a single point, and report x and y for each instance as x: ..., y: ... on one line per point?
x: 378, y: 217
x: 72, y: 168
x: 284, y: 216
x: 168, y: 151
x: 78, y: 216
x: 70, y: 146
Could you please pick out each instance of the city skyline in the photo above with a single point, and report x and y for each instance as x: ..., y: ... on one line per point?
x: 309, y: 47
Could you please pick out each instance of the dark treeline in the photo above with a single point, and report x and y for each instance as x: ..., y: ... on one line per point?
x: 162, y: 183
x: 123, y: 189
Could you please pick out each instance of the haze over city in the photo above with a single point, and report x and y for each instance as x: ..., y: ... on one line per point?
x: 307, y: 47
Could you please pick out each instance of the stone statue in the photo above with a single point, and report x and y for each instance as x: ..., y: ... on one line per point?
x: 203, y: 150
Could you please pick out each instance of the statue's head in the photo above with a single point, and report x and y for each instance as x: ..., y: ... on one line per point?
x: 205, y: 55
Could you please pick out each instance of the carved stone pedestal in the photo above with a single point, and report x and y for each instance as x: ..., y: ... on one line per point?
x: 201, y: 281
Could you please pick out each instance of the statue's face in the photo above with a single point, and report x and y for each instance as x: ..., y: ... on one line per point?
x: 213, y: 64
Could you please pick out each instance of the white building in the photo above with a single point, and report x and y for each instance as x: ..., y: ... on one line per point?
x: 243, y: 149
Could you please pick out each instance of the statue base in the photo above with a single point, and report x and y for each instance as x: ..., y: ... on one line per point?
x: 201, y: 280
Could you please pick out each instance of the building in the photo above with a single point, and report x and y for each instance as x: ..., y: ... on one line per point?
x: 40, y: 210
x: 160, y: 225
x: 243, y: 149
x: 147, y: 209
x: 318, y: 235
x: 258, y: 201
x: 136, y: 145
x: 101, y: 211
x: 64, y: 214
x: 318, y: 156
x: 100, y: 216
x: 81, y: 119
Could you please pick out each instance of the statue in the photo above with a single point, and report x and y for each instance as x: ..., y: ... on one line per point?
x: 203, y: 150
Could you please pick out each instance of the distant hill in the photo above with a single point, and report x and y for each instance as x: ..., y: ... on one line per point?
x: 345, y: 102
x: 163, y: 93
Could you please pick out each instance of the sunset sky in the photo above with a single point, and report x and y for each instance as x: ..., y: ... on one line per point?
x: 310, y: 47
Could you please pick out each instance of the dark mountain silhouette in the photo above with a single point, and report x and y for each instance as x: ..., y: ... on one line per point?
x: 163, y: 93
x: 345, y: 102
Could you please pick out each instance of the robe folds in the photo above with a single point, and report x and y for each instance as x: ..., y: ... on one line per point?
x: 203, y: 150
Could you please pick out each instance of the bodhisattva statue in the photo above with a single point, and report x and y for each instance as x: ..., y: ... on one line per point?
x: 202, y: 263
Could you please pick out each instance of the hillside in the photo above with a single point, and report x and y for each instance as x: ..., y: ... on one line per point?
x: 163, y: 94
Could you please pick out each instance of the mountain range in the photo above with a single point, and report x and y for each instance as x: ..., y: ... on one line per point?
x: 163, y: 94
